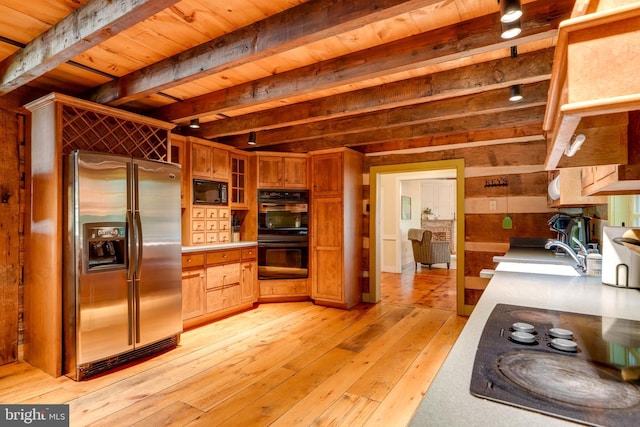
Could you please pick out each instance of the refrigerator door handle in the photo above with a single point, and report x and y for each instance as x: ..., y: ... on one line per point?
x: 130, y: 307
x: 138, y: 222
x: 130, y: 245
x: 136, y: 288
x: 139, y: 244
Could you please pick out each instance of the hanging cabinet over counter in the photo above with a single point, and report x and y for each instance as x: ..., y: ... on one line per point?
x: 593, y: 87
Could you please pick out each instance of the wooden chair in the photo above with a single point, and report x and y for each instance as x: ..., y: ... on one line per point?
x: 426, y: 251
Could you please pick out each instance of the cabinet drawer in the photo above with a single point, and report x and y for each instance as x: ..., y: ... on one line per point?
x: 249, y: 254
x: 212, y: 225
x: 223, y: 257
x: 197, y: 212
x: 197, y: 225
x: 223, y: 275
x: 221, y: 298
x: 212, y: 213
x: 192, y: 260
x: 212, y: 237
x: 197, y: 238
x: 283, y: 289
x: 224, y: 236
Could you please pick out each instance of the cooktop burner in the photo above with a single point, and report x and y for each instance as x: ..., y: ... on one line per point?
x: 573, y: 366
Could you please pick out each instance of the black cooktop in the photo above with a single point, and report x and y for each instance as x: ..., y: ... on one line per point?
x: 573, y: 366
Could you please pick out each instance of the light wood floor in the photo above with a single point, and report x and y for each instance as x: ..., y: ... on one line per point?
x: 286, y: 364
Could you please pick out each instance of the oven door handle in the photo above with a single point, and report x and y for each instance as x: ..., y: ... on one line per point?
x: 284, y: 245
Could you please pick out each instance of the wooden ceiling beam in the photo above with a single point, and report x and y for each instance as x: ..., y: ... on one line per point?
x: 489, y: 102
x: 488, y: 125
x: 303, y: 24
x: 528, y: 68
x: 457, y: 41
x: 507, y: 135
x: 86, y: 27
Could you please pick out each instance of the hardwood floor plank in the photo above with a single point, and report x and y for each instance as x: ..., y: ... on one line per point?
x: 248, y: 395
x: 176, y: 414
x: 314, y: 404
x: 387, y: 371
x: 370, y: 313
x: 273, y: 404
x: 349, y: 410
x: 375, y: 330
x: 402, y: 401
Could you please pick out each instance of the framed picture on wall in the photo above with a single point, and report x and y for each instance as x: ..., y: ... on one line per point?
x: 405, y: 204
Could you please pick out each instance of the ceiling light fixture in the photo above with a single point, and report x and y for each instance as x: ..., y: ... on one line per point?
x: 577, y: 141
x: 252, y: 138
x: 516, y: 93
x: 510, y: 10
x: 510, y: 29
x: 194, y: 124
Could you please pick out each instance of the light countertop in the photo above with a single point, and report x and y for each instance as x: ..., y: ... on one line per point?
x: 448, y: 401
x: 230, y: 245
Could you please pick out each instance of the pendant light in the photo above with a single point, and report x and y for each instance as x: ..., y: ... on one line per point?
x: 510, y: 10
x: 516, y: 93
x: 252, y: 138
x: 194, y: 124
x: 510, y: 29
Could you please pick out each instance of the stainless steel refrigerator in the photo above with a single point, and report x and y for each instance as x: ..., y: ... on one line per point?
x: 122, y: 261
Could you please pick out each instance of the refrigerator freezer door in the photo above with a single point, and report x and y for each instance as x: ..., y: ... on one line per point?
x: 103, y: 315
x: 158, y: 272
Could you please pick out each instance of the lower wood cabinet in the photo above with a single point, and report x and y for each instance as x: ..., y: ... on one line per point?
x: 275, y: 290
x: 217, y: 283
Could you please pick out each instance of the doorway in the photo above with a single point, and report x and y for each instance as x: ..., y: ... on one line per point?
x: 376, y: 174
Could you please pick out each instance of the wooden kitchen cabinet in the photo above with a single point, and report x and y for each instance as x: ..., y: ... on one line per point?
x: 239, y: 181
x: 193, y: 286
x: 218, y: 283
x: 571, y: 193
x: 208, y: 225
x: 606, y: 180
x: 587, y: 47
x: 282, y: 171
x: 179, y: 156
x: 336, y: 227
x: 209, y: 162
x: 249, y: 276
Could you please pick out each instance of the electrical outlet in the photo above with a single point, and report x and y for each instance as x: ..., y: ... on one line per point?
x: 493, y: 205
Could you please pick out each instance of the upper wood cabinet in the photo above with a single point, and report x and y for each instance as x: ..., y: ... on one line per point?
x: 209, y: 162
x: 570, y: 189
x: 282, y: 171
x: 587, y: 92
x: 178, y: 155
x: 327, y: 175
x: 239, y: 181
x: 613, y: 179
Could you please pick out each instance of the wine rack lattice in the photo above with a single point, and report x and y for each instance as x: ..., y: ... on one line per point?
x: 88, y: 130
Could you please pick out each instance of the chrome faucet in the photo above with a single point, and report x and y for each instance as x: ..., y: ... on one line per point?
x: 579, y: 258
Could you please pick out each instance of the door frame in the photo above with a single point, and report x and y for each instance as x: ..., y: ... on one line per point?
x: 375, y: 172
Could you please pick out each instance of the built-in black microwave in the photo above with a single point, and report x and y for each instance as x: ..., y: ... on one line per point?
x: 209, y: 192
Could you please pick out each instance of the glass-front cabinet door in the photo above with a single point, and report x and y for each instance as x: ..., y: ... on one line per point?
x: 239, y: 181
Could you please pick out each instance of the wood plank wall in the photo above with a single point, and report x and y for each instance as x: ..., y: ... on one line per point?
x: 524, y: 198
x: 11, y: 228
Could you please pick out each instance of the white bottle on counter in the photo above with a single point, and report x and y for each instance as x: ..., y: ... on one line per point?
x: 594, y: 265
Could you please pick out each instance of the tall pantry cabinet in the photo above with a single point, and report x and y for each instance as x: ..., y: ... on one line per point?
x: 336, y: 221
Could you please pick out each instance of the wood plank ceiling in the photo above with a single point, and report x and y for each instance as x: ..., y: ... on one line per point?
x: 374, y: 75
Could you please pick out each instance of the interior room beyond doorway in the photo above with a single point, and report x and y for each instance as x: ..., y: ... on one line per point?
x: 387, y: 228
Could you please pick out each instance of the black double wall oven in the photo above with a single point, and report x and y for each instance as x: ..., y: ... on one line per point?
x: 283, y: 234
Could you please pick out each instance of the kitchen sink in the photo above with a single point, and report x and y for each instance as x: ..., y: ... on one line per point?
x: 539, y: 268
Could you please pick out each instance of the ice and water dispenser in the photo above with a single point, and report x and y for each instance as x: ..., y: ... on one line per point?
x: 105, y: 246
